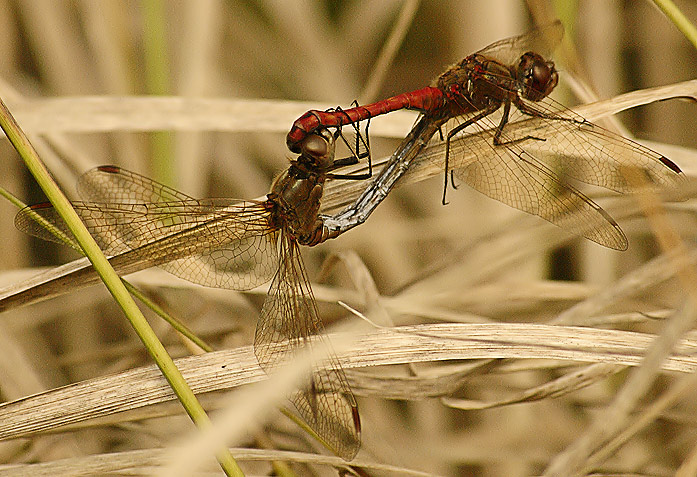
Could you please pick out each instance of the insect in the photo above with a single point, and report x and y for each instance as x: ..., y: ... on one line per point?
x: 230, y: 244
x: 525, y: 165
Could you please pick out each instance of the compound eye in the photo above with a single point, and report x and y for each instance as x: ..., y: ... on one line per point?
x: 315, y: 146
x: 538, y: 76
x: 318, y: 148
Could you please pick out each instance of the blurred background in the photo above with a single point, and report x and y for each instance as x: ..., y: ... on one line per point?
x: 66, y: 68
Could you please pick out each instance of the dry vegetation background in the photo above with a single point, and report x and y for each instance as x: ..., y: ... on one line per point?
x: 72, y: 72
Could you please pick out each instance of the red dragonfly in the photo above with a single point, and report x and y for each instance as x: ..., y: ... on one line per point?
x: 525, y: 165
x: 228, y: 244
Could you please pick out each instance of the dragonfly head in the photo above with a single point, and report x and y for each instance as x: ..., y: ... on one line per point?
x: 317, y: 149
x: 537, y: 76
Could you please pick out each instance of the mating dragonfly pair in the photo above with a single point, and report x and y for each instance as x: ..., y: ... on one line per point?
x: 522, y: 138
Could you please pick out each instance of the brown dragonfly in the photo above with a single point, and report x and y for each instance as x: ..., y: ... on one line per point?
x: 507, y: 139
x: 229, y: 244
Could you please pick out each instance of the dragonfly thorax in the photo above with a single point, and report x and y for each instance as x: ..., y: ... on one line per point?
x: 296, y: 195
x: 297, y: 192
x: 476, y: 83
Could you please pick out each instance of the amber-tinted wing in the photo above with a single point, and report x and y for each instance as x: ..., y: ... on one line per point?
x: 213, y: 242
x: 290, y: 322
x: 586, y: 152
x: 109, y: 184
x: 514, y: 177
x: 539, y: 151
x: 541, y: 40
x: 566, y: 142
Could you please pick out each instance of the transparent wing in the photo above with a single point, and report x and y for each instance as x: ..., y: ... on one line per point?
x: 514, y: 177
x: 584, y: 151
x: 564, y: 141
x: 107, y: 184
x: 542, y: 40
x: 509, y: 174
x: 209, y: 242
x: 539, y: 150
x: 289, y: 322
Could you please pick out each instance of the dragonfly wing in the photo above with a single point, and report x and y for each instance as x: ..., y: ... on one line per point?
x: 210, y: 242
x: 42, y: 221
x: 514, y: 177
x: 584, y: 151
x: 541, y: 40
x: 245, y: 262
x: 289, y: 323
x: 107, y: 184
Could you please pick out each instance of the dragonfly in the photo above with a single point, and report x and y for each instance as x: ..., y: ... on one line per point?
x: 230, y: 244
x: 527, y: 145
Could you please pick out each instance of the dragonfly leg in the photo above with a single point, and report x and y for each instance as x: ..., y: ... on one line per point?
x: 349, y: 161
x: 484, y: 113
x: 359, y: 151
x: 529, y: 110
x: 452, y: 179
x: 359, y: 137
x: 502, y: 124
x: 367, y: 152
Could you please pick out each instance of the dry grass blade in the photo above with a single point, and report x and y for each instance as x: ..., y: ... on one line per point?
x: 340, y: 193
x: 137, y: 388
x: 649, y: 275
x: 240, y: 74
x: 165, y: 112
x: 568, y: 383
x: 143, y: 462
